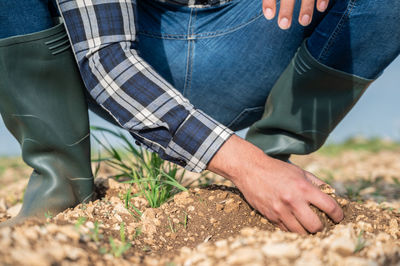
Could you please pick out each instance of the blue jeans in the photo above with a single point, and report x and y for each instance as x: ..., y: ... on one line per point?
x: 18, y: 17
x: 225, y: 59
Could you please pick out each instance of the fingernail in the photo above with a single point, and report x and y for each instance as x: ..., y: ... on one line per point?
x: 269, y: 14
x: 284, y: 23
x: 322, y: 6
x: 305, y: 20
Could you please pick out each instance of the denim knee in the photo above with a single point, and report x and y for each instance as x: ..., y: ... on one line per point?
x: 360, y: 37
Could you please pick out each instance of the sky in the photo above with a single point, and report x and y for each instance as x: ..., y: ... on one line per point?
x: 377, y: 114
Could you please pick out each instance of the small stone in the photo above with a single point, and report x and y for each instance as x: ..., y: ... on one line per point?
x: 3, y: 206
x: 182, y: 198
x: 245, y: 256
x: 223, y: 195
x: 219, y: 207
x: 281, y: 250
x: 120, y: 208
x: 342, y: 202
x: 393, y: 228
x: 367, y: 191
x: 327, y: 189
x: 89, y: 224
x: 263, y: 220
x: 342, y: 245
x: 231, y: 206
x: 14, y: 210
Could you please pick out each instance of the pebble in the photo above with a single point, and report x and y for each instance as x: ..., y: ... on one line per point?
x: 14, y: 210
x: 245, y: 256
x: 281, y: 250
x: 393, y: 228
x: 342, y: 245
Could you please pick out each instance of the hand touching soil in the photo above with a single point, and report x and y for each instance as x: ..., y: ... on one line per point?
x: 282, y: 192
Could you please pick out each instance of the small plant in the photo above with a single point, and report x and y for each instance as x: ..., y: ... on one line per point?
x: 171, y: 226
x: 129, y: 205
x: 95, y: 235
x: 396, y: 182
x: 185, y: 221
x: 156, y: 179
x: 48, y: 215
x: 361, y: 242
x: 79, y: 222
x: 138, y: 231
x: 117, y: 250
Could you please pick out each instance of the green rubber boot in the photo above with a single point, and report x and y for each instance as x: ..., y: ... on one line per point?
x: 43, y: 105
x: 304, y: 106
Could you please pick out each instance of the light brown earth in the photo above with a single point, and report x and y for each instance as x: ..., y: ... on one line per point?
x: 213, y: 225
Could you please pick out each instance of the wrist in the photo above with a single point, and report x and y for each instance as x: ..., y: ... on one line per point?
x: 238, y: 159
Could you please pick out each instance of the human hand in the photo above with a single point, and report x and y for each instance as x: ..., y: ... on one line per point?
x: 282, y: 192
x: 286, y: 11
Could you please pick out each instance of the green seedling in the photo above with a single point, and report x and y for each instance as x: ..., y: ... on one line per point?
x: 171, y: 226
x: 185, y: 220
x: 95, y: 235
x: 129, y: 205
x: 156, y: 179
x: 138, y: 231
x: 117, y: 250
x: 396, y: 182
x: 146, y: 248
x: 79, y: 222
x: 361, y: 242
x: 48, y: 215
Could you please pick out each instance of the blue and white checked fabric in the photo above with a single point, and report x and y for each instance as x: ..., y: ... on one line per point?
x: 102, y: 33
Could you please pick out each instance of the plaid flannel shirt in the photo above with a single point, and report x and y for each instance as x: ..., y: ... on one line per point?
x: 102, y: 33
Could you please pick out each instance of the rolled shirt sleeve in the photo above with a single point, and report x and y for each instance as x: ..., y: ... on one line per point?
x: 102, y: 33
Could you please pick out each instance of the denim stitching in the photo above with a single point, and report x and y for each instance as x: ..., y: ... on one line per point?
x: 188, y: 55
x: 337, y: 29
x: 190, y: 75
x: 203, y: 35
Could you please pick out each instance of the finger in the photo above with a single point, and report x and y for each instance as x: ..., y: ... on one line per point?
x: 313, y: 179
x: 291, y: 222
x: 285, y: 14
x: 269, y: 9
x: 326, y: 204
x: 322, y: 5
x: 308, y: 219
x: 306, y: 12
x: 281, y: 226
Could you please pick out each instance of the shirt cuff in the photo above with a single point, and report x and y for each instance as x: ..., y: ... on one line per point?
x: 199, y: 137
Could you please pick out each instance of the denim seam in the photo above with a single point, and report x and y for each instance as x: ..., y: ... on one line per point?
x: 188, y: 55
x: 192, y: 49
x: 337, y: 30
x: 203, y: 35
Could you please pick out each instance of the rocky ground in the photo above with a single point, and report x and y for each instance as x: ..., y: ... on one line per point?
x: 212, y: 225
